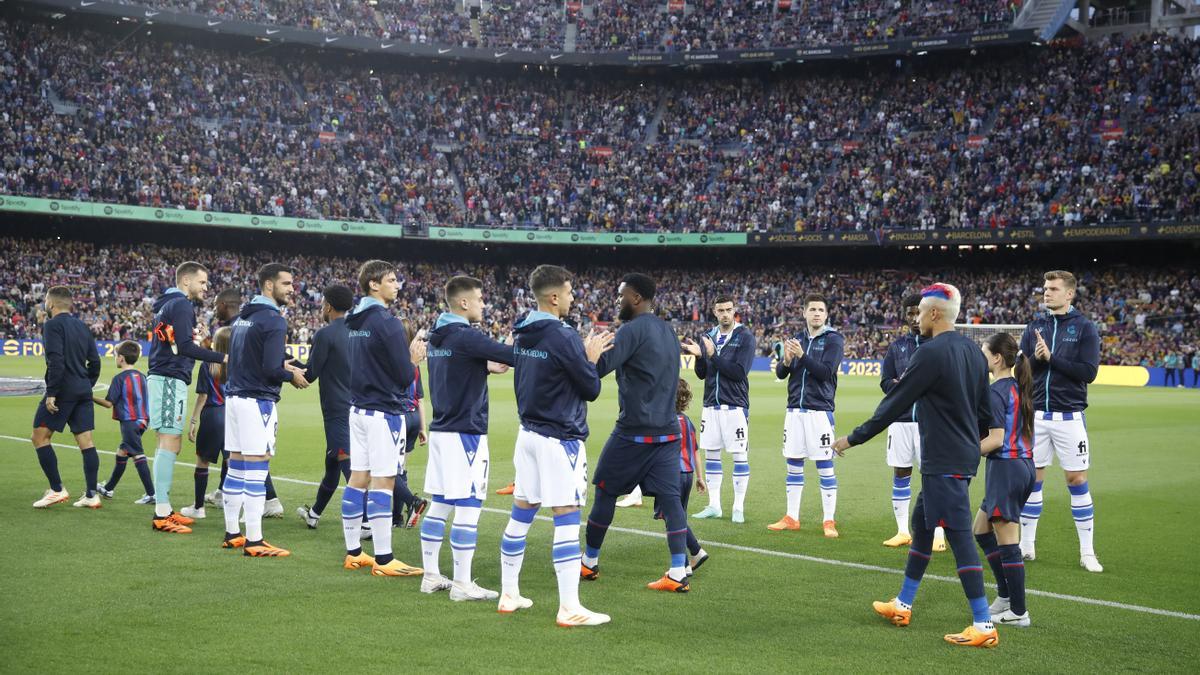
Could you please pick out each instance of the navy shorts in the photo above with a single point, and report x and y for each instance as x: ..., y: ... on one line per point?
x: 943, y: 502
x: 1007, y: 487
x: 337, y: 437
x: 131, y: 436
x: 685, y: 492
x: 412, y: 425
x: 210, y: 437
x: 79, y: 414
x: 625, y: 464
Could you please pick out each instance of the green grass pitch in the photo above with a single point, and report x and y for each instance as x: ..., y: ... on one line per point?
x: 98, y: 590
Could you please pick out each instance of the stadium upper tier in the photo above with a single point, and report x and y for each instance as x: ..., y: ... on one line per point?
x: 1073, y: 133
x: 1143, y: 313
x: 618, y: 25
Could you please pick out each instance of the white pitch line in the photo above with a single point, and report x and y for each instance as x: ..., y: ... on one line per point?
x: 783, y: 554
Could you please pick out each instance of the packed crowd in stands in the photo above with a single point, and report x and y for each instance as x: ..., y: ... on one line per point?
x: 619, y: 25
x: 1071, y: 134
x: 650, y: 25
x: 1142, y: 314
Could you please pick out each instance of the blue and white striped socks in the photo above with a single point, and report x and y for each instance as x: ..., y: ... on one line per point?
x: 464, y: 532
x: 379, y: 513
x: 512, y: 549
x: 256, y: 498
x: 829, y: 487
x: 1030, y: 514
x: 901, y: 498
x: 795, y: 486
x: 566, y: 558
x: 433, y: 531
x: 713, y: 476
x: 234, y: 494
x: 1084, y: 514
x: 741, y: 480
x: 354, y: 502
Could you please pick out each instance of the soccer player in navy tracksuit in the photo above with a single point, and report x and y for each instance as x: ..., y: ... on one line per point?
x: 72, y: 368
x: 127, y: 397
x: 948, y: 382
x: 724, y: 358
x: 460, y: 358
x: 257, y: 369
x: 381, y: 365
x: 329, y: 363
x: 226, y: 306
x: 1010, y: 476
x: 810, y: 363
x: 555, y: 378
x: 1064, y: 346
x: 643, y: 449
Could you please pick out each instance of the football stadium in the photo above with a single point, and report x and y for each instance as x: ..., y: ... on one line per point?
x: 562, y: 336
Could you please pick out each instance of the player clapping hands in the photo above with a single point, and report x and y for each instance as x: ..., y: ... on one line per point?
x: 595, y: 344
x: 1042, y: 350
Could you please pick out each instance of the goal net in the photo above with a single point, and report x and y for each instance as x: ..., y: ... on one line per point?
x: 21, y: 386
x: 982, y: 331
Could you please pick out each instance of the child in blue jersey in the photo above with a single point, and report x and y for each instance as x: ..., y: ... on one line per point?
x: 128, y: 398
x: 1008, y: 448
x: 207, y: 425
x: 687, y: 470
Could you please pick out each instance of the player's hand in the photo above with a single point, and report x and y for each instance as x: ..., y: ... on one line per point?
x: 422, y: 439
x: 298, y: 380
x: 774, y: 363
x: 497, y: 368
x: 841, y: 445
x: 595, y: 344
x: 192, y: 430
x: 225, y: 360
x: 793, y: 348
x: 51, y: 405
x: 701, y: 486
x: 417, y: 350
x: 707, y: 344
x: 689, y: 345
x: 1041, y: 350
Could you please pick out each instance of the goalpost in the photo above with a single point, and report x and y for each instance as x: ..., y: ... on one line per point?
x: 982, y: 331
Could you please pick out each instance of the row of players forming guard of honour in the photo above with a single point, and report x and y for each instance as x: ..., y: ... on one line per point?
x: 939, y: 411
